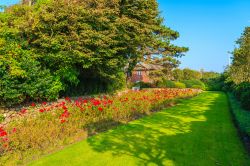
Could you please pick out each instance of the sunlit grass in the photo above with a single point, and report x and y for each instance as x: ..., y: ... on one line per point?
x: 198, y: 131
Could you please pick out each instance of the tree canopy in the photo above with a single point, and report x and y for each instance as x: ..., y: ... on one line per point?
x: 83, y: 44
x: 239, y: 71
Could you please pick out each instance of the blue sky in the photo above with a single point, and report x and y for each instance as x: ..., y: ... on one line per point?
x: 208, y: 27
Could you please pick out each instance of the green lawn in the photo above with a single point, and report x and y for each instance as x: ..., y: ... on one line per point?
x: 198, y: 132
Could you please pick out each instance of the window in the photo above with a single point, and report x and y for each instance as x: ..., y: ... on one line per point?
x: 139, y: 73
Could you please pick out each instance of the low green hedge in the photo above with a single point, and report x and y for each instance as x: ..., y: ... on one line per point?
x: 197, y: 84
x: 242, y: 93
x: 241, y: 116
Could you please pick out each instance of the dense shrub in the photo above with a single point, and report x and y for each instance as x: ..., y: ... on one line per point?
x: 194, y: 84
x: 214, y: 84
x: 143, y: 84
x: 179, y: 85
x: 241, y: 116
x: 242, y: 93
x: 170, y: 84
x: 23, y: 78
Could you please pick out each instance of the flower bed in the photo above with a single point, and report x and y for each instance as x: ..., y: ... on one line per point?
x: 44, y: 127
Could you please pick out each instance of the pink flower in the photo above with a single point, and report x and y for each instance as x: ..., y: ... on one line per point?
x: 5, y: 139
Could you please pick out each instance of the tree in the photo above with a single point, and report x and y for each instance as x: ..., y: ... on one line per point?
x: 239, y: 71
x: 191, y: 74
x: 87, y: 44
x: 178, y: 74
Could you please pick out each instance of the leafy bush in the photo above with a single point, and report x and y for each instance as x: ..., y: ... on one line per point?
x: 77, y: 48
x: 179, y: 85
x: 169, y: 84
x: 242, y: 93
x: 214, y: 84
x: 197, y: 84
x: 23, y: 78
x: 242, y: 116
x: 143, y: 85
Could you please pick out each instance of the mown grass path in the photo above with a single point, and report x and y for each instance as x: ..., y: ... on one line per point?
x: 196, y: 132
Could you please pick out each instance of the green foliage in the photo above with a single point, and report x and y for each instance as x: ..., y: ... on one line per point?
x: 242, y: 116
x: 179, y: 85
x: 170, y: 84
x: 239, y: 71
x: 1, y: 118
x: 197, y: 84
x: 242, y: 92
x: 191, y: 74
x: 79, y: 47
x: 237, y: 76
x: 143, y: 85
x: 23, y: 78
x: 178, y: 74
x: 214, y: 82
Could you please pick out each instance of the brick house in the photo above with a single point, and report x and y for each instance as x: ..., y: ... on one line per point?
x: 141, y: 72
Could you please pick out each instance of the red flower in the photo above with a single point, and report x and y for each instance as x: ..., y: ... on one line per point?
x: 67, y: 99
x: 44, y: 103
x: 33, y: 104
x: 23, y: 111
x: 2, y: 132
x: 63, y: 120
x: 100, y: 109
x: 110, y: 101
x: 14, y: 130
x: 96, y: 102
x: 64, y: 107
x: 65, y: 114
x: 41, y: 110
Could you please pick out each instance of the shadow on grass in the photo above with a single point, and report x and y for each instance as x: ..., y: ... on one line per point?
x: 195, y: 132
